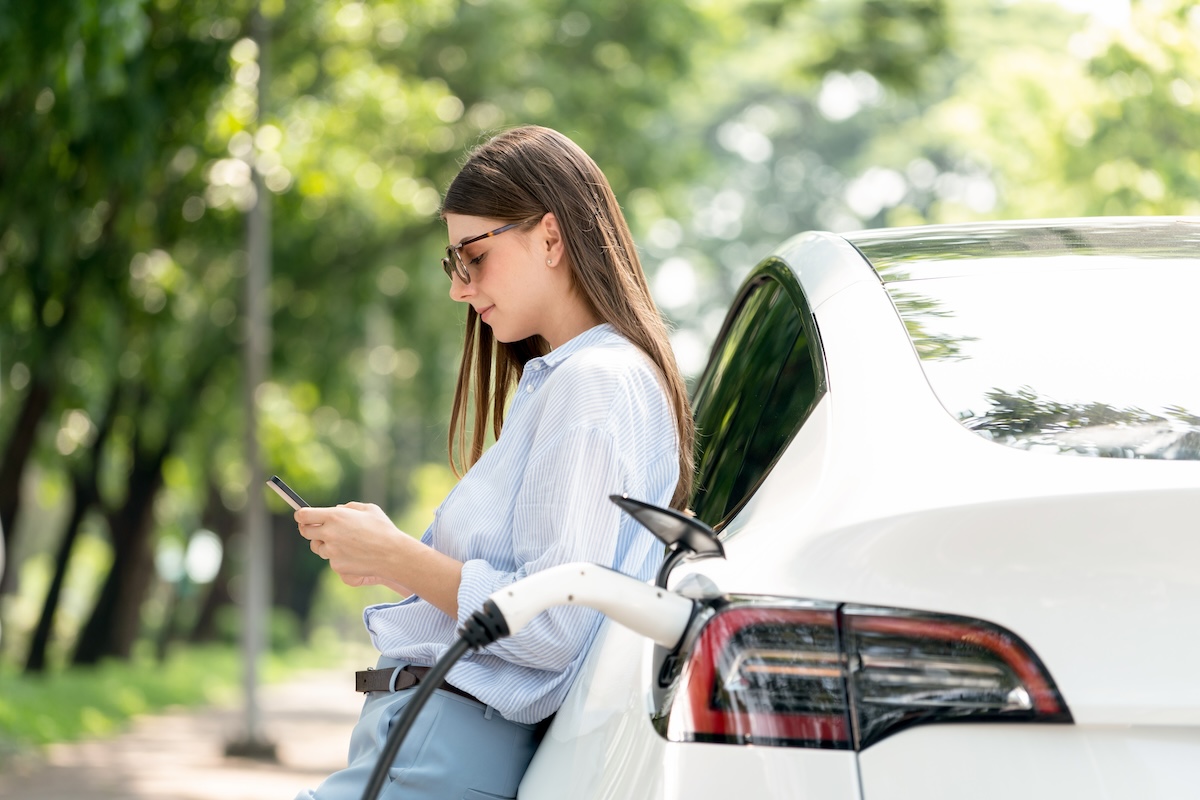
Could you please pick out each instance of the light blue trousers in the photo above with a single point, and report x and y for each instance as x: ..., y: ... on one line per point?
x: 457, y: 748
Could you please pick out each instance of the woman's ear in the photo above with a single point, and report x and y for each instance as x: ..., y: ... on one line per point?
x: 554, y: 247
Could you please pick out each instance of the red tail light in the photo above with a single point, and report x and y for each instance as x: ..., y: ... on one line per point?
x: 767, y: 676
x: 844, y: 677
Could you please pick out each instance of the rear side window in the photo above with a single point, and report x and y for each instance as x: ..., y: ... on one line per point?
x: 759, y: 386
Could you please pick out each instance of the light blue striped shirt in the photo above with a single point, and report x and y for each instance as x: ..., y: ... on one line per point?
x: 587, y: 420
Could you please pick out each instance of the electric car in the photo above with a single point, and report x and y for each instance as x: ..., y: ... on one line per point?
x: 955, y: 471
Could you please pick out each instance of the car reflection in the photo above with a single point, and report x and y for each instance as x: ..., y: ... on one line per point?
x: 1025, y: 420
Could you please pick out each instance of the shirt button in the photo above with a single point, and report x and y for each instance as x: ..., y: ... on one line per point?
x: 529, y: 388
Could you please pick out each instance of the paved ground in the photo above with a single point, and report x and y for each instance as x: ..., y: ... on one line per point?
x: 180, y: 755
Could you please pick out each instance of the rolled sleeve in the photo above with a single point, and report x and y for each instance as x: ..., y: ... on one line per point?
x: 479, y: 581
x: 562, y: 515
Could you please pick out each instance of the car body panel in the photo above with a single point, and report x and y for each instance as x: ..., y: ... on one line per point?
x: 1034, y: 762
x: 825, y: 264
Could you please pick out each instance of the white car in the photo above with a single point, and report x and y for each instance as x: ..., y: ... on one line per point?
x: 956, y: 474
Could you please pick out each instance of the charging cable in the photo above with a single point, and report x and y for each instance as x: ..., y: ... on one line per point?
x: 651, y: 611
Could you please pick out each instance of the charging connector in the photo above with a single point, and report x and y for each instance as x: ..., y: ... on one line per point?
x: 648, y: 610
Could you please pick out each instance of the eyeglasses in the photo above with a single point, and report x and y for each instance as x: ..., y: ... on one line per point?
x: 453, y: 263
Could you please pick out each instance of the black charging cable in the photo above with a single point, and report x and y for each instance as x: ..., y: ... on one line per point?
x: 480, y: 630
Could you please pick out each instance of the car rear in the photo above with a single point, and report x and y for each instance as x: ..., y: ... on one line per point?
x: 934, y: 587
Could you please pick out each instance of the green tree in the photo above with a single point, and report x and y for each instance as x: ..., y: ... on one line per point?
x: 103, y: 92
x: 136, y: 127
x: 1099, y: 125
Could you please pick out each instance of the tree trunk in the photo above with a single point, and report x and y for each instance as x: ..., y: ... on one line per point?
x: 85, y: 494
x: 12, y: 469
x: 42, y: 388
x: 35, y: 661
x: 115, y: 621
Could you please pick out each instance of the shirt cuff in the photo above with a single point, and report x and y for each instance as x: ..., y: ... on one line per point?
x: 479, y: 580
x: 369, y: 611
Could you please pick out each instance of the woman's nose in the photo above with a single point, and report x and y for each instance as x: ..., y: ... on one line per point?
x: 459, y: 291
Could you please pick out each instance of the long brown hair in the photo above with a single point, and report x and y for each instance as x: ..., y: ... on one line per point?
x: 519, y: 176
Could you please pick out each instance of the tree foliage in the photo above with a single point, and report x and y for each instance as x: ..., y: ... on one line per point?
x: 131, y: 130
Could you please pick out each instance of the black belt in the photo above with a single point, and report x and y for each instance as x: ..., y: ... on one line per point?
x: 380, y: 680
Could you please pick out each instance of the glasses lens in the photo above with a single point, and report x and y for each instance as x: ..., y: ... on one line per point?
x: 452, y: 265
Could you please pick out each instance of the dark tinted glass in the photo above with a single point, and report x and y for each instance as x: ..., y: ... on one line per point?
x: 727, y: 406
x: 758, y: 388
x: 787, y: 406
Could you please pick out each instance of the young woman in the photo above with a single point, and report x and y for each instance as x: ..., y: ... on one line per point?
x: 567, y: 354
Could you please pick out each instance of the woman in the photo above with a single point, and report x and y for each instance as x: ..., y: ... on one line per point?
x: 559, y: 317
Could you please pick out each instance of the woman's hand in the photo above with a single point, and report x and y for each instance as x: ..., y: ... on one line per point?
x: 365, y: 548
x: 357, y: 539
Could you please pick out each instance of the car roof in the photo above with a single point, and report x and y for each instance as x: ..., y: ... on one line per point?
x: 927, y: 251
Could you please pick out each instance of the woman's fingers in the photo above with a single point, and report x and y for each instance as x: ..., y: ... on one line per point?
x: 311, y: 516
x: 310, y: 522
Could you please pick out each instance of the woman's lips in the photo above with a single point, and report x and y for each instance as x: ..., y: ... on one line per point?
x: 483, y: 315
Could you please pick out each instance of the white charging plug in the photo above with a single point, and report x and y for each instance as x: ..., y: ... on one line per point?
x: 648, y: 610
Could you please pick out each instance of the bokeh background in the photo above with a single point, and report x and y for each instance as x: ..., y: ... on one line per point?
x: 131, y: 133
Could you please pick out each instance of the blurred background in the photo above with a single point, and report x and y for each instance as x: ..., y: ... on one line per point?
x: 136, y: 137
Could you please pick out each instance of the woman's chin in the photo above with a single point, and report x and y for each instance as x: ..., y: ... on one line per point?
x: 507, y: 335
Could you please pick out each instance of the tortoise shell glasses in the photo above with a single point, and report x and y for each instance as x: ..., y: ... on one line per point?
x: 453, y: 264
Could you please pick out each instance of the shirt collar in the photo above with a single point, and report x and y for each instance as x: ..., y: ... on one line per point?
x: 602, y: 333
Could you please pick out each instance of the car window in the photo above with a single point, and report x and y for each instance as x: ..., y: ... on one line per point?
x: 1072, y: 337
x: 759, y: 385
x: 726, y: 408
x: 1096, y: 362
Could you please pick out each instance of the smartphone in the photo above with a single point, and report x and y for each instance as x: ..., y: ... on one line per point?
x: 283, y: 490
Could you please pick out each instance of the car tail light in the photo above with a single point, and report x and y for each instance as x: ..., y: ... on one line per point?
x: 767, y: 676
x: 844, y: 677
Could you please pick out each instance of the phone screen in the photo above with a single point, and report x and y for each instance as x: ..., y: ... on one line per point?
x: 283, y: 490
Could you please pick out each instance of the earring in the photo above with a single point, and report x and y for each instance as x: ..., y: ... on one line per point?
x: 549, y: 262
